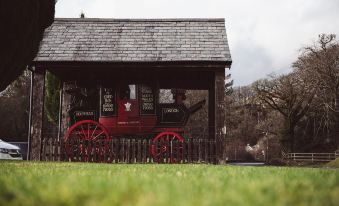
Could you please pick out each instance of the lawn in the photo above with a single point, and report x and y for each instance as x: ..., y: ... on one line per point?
x: 39, y: 183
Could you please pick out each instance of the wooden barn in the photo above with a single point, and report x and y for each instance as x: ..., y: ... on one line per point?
x: 111, y: 72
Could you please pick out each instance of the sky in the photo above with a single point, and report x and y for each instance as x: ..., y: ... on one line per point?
x: 265, y: 36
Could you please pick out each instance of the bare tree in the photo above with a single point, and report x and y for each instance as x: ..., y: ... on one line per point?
x: 320, y: 65
x: 243, y: 115
x: 289, y: 96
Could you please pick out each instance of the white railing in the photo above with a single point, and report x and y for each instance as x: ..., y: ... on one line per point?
x: 312, y: 157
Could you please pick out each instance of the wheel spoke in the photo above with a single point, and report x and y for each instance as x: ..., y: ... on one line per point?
x: 171, y: 146
x: 96, y: 126
x: 83, y: 131
x: 88, y: 131
x: 98, y: 135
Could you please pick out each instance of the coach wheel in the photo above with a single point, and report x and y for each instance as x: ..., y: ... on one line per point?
x: 167, y: 148
x: 84, y: 139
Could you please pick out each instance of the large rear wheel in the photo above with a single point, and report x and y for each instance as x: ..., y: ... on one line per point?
x: 87, y: 140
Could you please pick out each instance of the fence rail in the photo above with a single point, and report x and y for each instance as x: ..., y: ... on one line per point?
x: 312, y: 157
x: 130, y: 151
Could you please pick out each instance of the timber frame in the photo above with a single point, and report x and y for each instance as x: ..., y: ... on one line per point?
x: 183, y: 73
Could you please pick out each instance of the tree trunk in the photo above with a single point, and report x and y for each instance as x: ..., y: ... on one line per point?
x: 336, y: 123
x: 287, y: 135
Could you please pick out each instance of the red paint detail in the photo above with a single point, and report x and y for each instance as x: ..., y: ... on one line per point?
x: 175, y: 136
x: 123, y: 115
x: 138, y: 125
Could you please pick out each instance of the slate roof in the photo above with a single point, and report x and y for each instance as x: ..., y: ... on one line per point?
x: 134, y: 40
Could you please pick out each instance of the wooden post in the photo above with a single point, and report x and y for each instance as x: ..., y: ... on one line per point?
x: 37, y: 114
x: 211, y: 109
x: 60, y: 110
x: 219, y: 114
x: 65, y: 106
x: 211, y: 114
x: 30, y: 118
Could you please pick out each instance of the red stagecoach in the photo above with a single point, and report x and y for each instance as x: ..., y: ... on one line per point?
x: 101, y: 113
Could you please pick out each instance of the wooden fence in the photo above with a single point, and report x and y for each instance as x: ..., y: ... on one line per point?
x: 130, y: 151
x: 311, y: 157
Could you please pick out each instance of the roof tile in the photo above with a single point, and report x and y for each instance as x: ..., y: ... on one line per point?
x: 142, y: 40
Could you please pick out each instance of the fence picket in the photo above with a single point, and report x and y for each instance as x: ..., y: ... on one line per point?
x: 149, y: 155
x: 50, y: 149
x: 54, y: 149
x: 138, y: 151
x: 143, y: 151
x: 189, y: 150
x: 133, y: 151
x: 123, y: 151
x: 116, y: 150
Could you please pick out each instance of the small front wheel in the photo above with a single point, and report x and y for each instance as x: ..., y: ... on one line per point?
x: 167, y: 147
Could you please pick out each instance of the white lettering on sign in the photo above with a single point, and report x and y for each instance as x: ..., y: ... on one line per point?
x: 146, y: 89
x: 107, y: 108
x: 130, y: 122
x: 171, y: 110
x: 147, y: 100
x: 108, y: 105
x: 83, y: 113
x: 147, y: 106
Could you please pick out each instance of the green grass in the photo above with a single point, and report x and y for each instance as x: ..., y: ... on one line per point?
x: 29, y: 183
x: 333, y: 164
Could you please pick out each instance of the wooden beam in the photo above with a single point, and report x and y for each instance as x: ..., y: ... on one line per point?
x: 37, y: 114
x: 207, y: 65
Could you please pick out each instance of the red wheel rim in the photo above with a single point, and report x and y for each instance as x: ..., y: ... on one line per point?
x: 84, y: 132
x: 167, y: 148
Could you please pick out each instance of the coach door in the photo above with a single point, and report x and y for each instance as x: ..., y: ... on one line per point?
x: 128, y: 108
